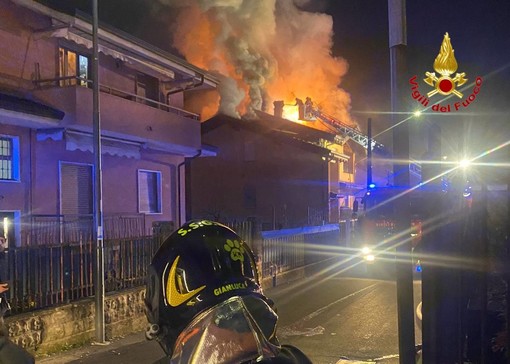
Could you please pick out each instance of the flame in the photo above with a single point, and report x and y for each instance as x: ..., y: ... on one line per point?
x: 291, y: 112
x: 445, y: 62
x: 262, y: 51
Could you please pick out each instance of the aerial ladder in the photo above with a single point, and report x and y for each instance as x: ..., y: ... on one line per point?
x: 308, y: 112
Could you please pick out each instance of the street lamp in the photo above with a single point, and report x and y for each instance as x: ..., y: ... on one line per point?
x: 464, y: 163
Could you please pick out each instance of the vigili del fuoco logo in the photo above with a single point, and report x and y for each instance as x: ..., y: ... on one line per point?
x: 444, y: 84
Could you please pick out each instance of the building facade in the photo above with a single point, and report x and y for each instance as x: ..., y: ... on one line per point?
x: 277, y: 172
x: 47, y: 168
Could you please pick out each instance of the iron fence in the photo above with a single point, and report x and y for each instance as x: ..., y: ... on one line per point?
x: 284, y: 250
x: 48, y: 275
x: 282, y: 253
x: 71, y: 229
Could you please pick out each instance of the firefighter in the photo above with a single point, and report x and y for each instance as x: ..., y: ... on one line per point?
x: 204, y: 302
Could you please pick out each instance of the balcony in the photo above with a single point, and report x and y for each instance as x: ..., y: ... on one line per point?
x: 125, y: 116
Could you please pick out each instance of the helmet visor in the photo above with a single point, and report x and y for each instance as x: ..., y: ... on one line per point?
x: 235, y: 331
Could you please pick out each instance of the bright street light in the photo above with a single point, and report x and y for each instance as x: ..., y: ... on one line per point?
x: 464, y: 163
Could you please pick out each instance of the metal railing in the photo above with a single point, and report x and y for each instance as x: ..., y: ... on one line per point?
x: 48, y: 275
x: 72, y: 81
x: 282, y: 254
x: 71, y: 229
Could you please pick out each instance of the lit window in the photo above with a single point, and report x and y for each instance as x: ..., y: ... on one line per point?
x: 9, y: 158
x: 75, y: 66
x: 149, y: 192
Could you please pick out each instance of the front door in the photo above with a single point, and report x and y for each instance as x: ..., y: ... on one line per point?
x: 76, y: 201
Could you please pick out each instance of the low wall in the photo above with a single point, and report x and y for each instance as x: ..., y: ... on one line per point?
x: 60, y: 328
x: 63, y: 327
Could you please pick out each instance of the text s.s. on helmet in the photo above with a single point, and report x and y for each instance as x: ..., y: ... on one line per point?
x: 200, y: 265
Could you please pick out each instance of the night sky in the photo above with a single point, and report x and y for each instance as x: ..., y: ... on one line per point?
x: 480, y: 33
x: 480, y: 36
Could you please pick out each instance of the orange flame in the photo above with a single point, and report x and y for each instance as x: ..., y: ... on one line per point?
x: 270, y: 50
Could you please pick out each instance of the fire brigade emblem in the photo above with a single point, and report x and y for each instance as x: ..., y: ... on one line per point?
x: 445, y: 64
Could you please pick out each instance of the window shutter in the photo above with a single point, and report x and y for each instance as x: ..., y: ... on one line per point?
x: 149, y: 185
x: 76, y: 189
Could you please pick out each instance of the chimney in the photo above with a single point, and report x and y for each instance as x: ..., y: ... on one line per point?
x: 278, y: 109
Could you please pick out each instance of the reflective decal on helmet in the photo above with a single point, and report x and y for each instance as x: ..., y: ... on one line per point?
x: 230, y: 287
x: 175, y: 285
x: 235, y: 249
x: 195, y: 225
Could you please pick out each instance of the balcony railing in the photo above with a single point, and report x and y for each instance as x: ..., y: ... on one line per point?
x: 68, y: 81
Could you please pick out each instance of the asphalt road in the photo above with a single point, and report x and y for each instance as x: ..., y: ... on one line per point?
x: 343, y: 317
x: 329, y: 316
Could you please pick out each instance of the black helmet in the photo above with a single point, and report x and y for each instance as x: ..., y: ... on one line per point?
x: 199, y: 266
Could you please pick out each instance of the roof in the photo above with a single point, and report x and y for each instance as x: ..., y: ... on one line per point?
x: 267, y: 123
x: 26, y: 106
x: 298, y: 135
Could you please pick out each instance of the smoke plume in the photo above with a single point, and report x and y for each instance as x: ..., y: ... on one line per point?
x: 262, y: 51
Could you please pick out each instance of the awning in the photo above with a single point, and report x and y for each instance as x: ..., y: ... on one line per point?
x: 21, y: 111
x: 69, y: 34
x: 77, y: 140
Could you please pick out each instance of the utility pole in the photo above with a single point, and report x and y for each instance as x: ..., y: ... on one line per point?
x: 369, y: 153
x: 404, y: 266
x: 98, y: 187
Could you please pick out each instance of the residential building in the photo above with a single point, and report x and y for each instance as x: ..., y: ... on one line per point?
x: 47, y: 163
x: 277, y: 172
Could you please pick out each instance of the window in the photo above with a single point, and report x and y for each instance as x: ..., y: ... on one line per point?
x: 76, y: 189
x: 9, y: 158
x: 149, y: 192
x: 147, y: 87
x: 73, y: 64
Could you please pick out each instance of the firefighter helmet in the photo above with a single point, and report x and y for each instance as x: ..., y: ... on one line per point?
x: 200, y: 265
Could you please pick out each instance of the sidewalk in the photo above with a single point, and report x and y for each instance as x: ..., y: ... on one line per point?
x: 139, y: 349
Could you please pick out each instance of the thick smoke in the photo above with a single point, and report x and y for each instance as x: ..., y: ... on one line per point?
x: 268, y: 50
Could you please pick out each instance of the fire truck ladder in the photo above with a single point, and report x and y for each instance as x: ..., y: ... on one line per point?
x: 344, y: 129
x: 310, y: 113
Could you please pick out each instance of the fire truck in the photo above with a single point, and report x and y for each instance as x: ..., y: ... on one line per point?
x: 375, y: 233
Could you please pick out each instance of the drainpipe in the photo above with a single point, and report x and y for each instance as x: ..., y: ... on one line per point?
x: 185, y: 88
x: 179, y: 222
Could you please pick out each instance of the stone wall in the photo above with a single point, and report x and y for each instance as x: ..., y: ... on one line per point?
x: 66, y: 326
x: 63, y: 327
